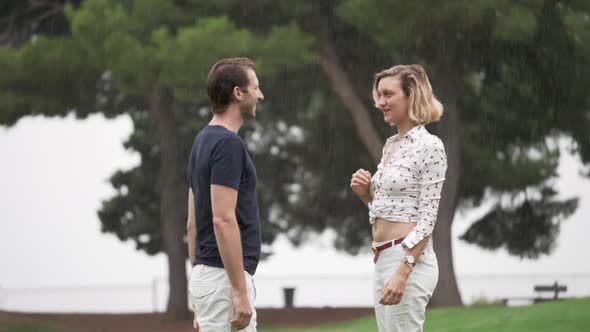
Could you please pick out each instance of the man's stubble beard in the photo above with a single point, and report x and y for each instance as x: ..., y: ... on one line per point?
x: 248, y: 112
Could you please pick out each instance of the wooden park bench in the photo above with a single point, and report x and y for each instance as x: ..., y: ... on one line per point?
x: 555, y: 288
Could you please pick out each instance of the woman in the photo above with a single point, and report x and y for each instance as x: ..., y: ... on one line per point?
x: 403, y: 198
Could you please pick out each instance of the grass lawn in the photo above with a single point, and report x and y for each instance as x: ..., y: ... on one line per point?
x: 562, y: 316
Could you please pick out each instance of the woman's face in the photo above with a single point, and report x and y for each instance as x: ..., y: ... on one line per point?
x: 392, y: 101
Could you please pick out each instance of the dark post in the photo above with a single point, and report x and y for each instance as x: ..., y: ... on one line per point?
x: 289, y: 293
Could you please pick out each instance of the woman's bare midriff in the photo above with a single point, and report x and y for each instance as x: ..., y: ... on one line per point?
x: 384, y: 230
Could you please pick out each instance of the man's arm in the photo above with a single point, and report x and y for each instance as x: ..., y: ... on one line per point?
x: 191, y: 227
x: 227, y: 233
x: 191, y: 232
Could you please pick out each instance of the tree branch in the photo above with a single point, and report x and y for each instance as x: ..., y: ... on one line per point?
x: 344, y: 89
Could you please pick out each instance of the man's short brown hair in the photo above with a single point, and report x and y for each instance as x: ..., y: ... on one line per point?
x: 223, y: 77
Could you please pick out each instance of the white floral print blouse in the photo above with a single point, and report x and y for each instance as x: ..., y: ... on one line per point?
x: 408, y: 187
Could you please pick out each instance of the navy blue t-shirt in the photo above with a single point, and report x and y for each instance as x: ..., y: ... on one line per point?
x: 219, y: 156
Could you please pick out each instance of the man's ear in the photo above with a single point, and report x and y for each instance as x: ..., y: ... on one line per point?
x: 237, y: 93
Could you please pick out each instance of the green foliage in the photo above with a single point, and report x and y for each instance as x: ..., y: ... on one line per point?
x: 517, y: 23
x: 184, y: 55
x: 46, y: 76
x: 277, y: 50
x: 527, y: 230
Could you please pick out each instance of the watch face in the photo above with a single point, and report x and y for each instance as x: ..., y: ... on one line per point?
x: 410, y: 259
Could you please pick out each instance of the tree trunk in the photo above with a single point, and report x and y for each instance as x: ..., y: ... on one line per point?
x: 447, y: 292
x: 171, y: 198
x: 351, y: 101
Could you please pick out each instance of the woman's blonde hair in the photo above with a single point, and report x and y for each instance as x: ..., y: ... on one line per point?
x: 423, y: 105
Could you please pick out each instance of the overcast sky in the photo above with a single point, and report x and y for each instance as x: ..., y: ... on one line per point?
x: 54, y: 174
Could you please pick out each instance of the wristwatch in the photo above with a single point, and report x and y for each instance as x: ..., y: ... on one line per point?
x: 410, y: 261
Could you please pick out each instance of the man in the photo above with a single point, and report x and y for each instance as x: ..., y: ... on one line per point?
x: 223, y: 222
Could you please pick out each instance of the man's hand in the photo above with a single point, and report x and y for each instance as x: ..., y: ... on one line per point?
x: 195, y: 323
x: 360, y: 182
x: 242, y: 310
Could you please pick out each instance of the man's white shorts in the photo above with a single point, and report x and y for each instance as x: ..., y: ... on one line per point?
x: 210, y: 298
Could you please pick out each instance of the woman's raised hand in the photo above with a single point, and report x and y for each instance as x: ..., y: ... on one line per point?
x: 360, y: 183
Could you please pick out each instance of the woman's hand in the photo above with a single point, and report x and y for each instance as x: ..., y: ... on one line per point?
x: 360, y: 183
x: 393, y: 291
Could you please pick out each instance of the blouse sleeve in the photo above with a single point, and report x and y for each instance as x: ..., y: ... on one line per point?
x: 432, y: 176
